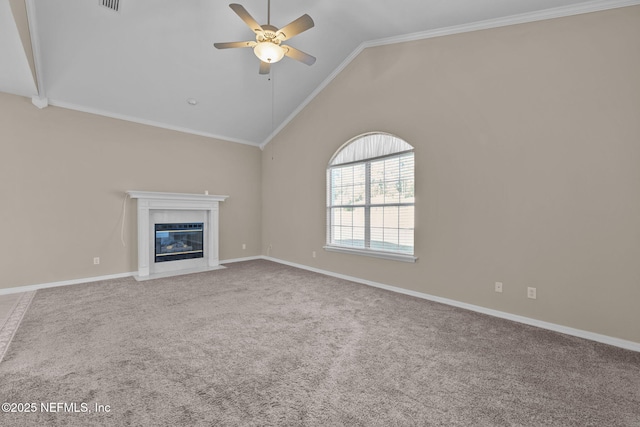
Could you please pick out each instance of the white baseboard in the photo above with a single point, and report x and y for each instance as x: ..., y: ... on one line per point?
x: 19, y: 289
x: 27, y: 288
x: 249, y: 258
x: 605, y: 339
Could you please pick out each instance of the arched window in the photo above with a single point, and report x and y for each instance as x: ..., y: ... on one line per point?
x: 371, y: 197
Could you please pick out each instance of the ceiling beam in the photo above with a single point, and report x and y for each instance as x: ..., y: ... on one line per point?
x: 40, y: 100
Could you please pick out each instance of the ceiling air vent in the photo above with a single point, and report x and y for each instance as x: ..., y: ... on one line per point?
x: 111, y: 4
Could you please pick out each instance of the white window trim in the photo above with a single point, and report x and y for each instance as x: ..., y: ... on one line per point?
x: 402, y: 147
x: 394, y: 256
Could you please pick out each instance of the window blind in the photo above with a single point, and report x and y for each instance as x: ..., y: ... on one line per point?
x: 371, y: 202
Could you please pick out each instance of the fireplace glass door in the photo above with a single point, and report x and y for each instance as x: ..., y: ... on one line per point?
x: 179, y: 241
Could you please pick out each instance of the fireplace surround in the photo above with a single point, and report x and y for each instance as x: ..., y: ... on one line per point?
x: 177, y: 233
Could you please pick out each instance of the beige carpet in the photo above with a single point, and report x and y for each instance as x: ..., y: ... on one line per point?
x: 264, y: 344
x: 14, y: 313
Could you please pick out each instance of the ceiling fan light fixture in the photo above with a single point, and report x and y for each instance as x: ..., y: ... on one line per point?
x: 268, y: 51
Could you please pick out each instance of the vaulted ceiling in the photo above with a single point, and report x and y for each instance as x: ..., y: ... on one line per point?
x: 146, y: 60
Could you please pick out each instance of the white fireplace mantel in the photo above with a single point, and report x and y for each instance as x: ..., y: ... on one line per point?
x: 156, y: 203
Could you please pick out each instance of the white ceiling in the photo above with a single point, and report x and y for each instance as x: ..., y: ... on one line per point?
x: 143, y: 62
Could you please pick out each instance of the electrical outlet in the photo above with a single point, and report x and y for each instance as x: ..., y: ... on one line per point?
x: 498, y: 287
x: 244, y: 246
x: 313, y: 254
x: 96, y: 260
x: 531, y: 293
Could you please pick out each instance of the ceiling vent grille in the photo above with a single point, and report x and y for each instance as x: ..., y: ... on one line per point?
x: 111, y: 4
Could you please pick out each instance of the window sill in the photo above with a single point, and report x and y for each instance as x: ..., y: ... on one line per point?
x: 376, y: 254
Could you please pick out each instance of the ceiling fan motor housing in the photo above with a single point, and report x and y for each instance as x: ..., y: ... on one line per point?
x: 268, y: 35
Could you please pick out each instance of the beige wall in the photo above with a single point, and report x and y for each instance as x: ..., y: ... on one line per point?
x: 528, y: 167
x: 527, y: 147
x: 63, y: 175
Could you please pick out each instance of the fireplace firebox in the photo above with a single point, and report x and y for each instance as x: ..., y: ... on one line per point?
x: 179, y: 241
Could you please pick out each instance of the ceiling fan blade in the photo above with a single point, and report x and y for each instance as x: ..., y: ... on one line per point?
x: 299, y: 55
x: 295, y: 27
x: 246, y: 17
x: 234, y: 44
x: 265, y: 67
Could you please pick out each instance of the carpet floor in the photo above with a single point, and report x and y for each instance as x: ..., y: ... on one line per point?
x: 263, y: 344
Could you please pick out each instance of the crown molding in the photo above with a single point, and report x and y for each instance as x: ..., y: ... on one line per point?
x: 541, y: 15
x: 83, y: 109
x: 523, y: 18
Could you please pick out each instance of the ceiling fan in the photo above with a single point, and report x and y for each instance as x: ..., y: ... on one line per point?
x: 268, y: 46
